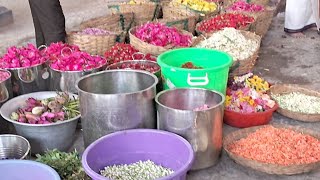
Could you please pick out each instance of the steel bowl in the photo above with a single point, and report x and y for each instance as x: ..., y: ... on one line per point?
x: 13, y: 147
x: 42, y: 137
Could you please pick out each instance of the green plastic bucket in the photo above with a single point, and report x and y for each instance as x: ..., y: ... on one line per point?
x: 213, y: 76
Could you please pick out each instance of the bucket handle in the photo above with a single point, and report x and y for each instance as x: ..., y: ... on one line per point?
x: 203, y: 83
x: 26, y: 75
x: 43, y: 52
x: 63, y: 49
x: 144, y: 56
x: 43, y: 46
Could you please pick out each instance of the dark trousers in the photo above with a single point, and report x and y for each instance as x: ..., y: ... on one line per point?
x: 48, y: 20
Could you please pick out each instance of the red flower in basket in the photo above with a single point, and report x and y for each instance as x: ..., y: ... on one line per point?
x: 247, y: 103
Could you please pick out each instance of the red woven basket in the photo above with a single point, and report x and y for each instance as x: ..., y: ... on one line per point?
x: 243, y: 120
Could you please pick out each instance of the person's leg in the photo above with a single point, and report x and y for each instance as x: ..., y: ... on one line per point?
x: 316, y: 14
x: 52, y: 20
x: 37, y: 26
x: 297, y: 15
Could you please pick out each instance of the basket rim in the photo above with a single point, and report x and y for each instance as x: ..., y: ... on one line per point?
x: 213, y: 31
x: 164, y: 48
x: 295, y: 88
x: 76, y: 33
x: 269, y: 166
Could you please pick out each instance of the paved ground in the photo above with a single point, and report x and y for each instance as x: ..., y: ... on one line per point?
x: 282, y: 60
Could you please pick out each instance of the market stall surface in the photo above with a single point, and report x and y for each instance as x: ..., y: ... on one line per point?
x: 282, y: 60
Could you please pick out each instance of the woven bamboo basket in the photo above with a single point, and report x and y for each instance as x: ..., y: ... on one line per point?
x: 182, y: 23
x: 239, y: 67
x: 227, y: 3
x: 262, y: 20
x: 161, y: 2
x: 112, y: 22
x: 181, y: 10
x: 267, y: 167
x: 143, y: 12
x: 289, y: 88
x: 208, y: 34
x: 93, y: 44
x: 146, y: 48
x: 119, y: 23
x: 260, y: 2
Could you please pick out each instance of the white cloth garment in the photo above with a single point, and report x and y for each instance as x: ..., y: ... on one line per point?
x: 300, y: 14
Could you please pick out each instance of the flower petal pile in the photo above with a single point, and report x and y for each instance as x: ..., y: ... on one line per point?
x: 124, y: 52
x: 232, y: 42
x: 247, y: 94
x: 242, y: 5
x: 27, y: 56
x: 159, y: 34
x: 64, y: 57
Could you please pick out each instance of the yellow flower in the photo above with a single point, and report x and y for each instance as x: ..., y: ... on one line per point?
x: 244, y: 99
x: 239, y: 93
x: 228, y: 100
x: 265, y: 86
x: 257, y: 83
x: 251, y: 102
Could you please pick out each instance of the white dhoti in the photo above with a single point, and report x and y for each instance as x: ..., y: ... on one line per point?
x: 301, y: 15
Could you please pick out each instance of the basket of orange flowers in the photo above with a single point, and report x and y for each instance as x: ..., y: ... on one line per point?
x: 247, y: 102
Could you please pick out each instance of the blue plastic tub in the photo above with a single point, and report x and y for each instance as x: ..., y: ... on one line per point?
x: 26, y: 170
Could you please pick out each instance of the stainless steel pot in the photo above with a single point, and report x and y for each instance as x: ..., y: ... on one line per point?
x: 66, y: 80
x: 203, y: 129
x: 116, y: 100
x: 6, y: 94
x: 58, y: 135
x: 5, y: 88
x: 31, y: 79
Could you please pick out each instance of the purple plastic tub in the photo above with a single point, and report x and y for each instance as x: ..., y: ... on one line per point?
x: 129, y: 146
x: 26, y: 170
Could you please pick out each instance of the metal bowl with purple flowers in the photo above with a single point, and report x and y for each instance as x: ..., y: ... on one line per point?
x: 47, y: 119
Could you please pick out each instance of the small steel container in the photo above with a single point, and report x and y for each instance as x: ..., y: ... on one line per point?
x: 13, y: 147
x: 203, y: 128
